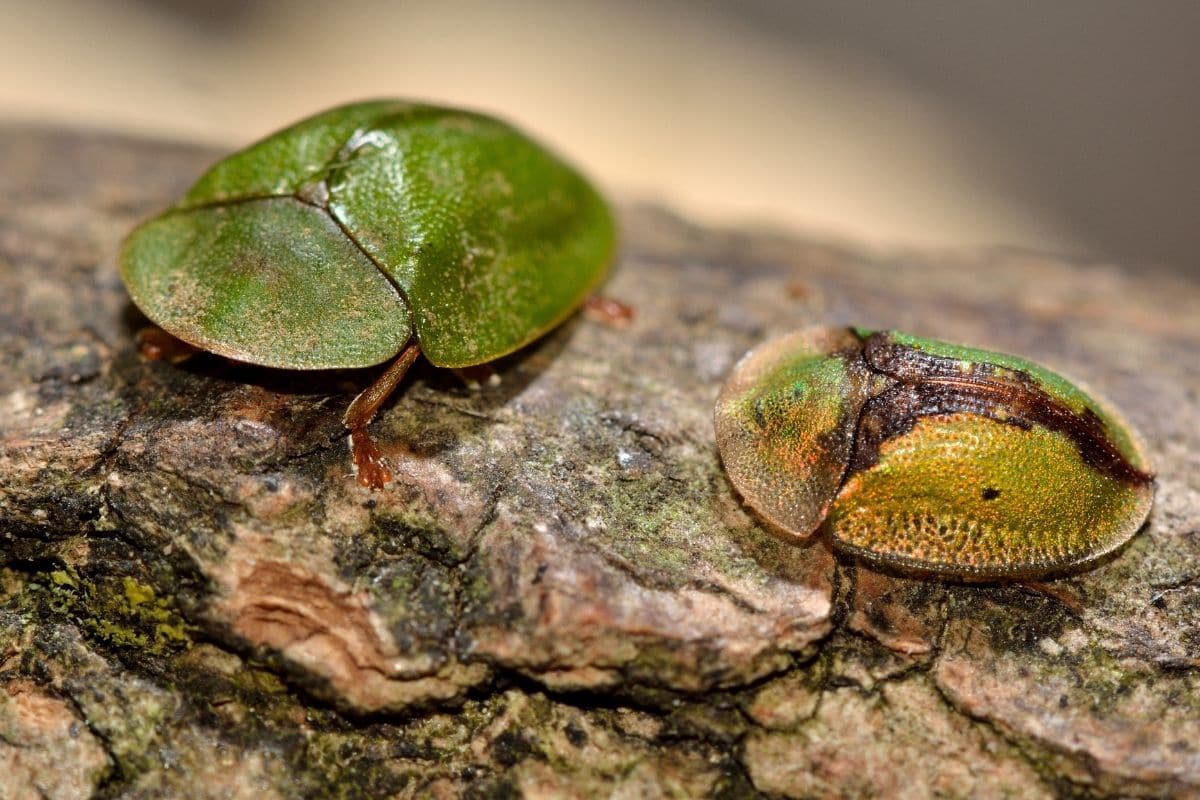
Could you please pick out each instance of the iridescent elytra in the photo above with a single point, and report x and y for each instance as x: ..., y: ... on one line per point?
x: 930, y: 457
x: 370, y: 233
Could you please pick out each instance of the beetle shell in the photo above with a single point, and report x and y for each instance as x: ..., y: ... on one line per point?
x: 332, y: 242
x: 930, y: 457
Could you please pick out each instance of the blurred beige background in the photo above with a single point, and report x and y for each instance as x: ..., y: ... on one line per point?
x: 1069, y: 126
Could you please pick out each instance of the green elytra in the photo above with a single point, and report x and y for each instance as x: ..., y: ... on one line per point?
x: 370, y: 231
x: 930, y: 457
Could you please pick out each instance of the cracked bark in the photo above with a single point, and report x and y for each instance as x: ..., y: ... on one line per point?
x: 559, y: 594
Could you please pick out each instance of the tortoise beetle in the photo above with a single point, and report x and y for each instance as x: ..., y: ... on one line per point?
x: 369, y: 233
x: 930, y: 457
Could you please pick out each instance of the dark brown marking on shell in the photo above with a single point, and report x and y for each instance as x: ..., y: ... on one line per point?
x: 927, y: 385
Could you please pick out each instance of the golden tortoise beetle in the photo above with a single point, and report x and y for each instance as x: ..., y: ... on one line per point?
x: 930, y: 457
x: 369, y: 233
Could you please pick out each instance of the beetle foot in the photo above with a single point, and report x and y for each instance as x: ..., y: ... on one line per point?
x: 155, y: 344
x: 478, y: 376
x: 372, y: 469
x: 608, y: 311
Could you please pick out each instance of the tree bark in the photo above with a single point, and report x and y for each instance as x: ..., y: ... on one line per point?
x: 560, y: 594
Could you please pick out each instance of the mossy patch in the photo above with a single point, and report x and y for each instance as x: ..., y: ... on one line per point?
x: 118, y: 610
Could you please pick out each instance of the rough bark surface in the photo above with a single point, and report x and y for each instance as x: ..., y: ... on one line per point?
x: 560, y: 595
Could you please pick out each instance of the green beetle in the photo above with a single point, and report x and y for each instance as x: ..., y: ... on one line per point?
x: 372, y: 232
x: 930, y: 457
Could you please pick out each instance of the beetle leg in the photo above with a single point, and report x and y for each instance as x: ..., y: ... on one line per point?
x: 1059, y: 591
x: 478, y: 376
x: 607, y: 310
x: 372, y: 469
x: 155, y: 344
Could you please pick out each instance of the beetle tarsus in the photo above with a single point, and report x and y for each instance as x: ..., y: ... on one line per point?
x: 478, y: 376
x: 371, y: 466
x: 608, y: 311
